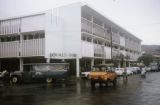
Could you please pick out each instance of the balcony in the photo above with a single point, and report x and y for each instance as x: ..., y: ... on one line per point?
x: 108, y: 52
x: 87, y: 49
x: 99, y: 50
x: 98, y: 31
x: 115, y: 52
x: 92, y: 28
x: 86, y: 25
x: 34, y: 47
x: 9, y: 49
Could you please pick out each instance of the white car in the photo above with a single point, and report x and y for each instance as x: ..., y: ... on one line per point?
x: 135, y: 69
x: 129, y: 71
x: 148, y: 69
x: 85, y: 74
x: 119, y: 71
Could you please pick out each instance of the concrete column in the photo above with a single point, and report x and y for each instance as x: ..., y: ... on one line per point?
x: 48, y: 60
x: 20, y: 44
x: 124, y: 64
x: 119, y: 64
x: 77, y: 68
x: 92, y: 62
x: 129, y: 63
x: 21, y: 64
x: 103, y: 61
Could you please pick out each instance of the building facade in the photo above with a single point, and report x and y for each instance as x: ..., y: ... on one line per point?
x: 73, y: 33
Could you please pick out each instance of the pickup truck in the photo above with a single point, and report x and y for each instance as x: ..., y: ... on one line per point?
x: 49, y: 72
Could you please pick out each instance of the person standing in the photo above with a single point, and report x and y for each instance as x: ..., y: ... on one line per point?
x: 125, y: 76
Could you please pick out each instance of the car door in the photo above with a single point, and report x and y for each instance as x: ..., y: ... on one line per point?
x: 28, y: 75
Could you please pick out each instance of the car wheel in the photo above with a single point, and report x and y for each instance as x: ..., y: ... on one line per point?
x: 15, y: 79
x: 49, y: 80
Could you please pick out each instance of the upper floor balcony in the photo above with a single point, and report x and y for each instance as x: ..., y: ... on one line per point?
x: 22, y: 24
x: 25, y: 45
x: 95, y: 29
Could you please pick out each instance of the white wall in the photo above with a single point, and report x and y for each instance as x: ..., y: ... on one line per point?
x: 33, y: 23
x: 87, y: 49
x: 63, y: 32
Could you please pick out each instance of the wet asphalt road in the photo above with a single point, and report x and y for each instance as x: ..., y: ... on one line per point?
x: 135, y: 91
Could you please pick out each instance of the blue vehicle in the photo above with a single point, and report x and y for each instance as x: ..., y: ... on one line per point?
x: 49, y: 72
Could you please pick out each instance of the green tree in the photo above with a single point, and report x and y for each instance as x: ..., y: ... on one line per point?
x: 146, y: 59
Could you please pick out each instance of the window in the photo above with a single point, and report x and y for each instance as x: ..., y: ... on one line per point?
x: 89, y: 39
x: 9, y: 38
x: 33, y: 36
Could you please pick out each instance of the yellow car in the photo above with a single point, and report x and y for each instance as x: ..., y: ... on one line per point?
x: 102, y: 74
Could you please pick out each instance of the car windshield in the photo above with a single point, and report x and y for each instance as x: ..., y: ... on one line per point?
x: 102, y: 68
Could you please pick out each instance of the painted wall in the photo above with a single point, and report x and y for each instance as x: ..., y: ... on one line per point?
x: 33, y: 23
x: 63, y: 32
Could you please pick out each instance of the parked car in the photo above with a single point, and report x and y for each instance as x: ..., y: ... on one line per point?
x: 154, y: 67
x: 136, y: 70
x: 85, y: 74
x: 50, y: 72
x: 119, y: 71
x: 4, y: 75
x: 129, y: 70
x: 102, y: 74
x: 148, y: 69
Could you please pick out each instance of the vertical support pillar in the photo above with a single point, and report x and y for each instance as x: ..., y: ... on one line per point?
x: 77, y: 67
x: 129, y: 64
x: 21, y: 64
x: 124, y: 64
x: 48, y: 60
x: 20, y: 44
x: 119, y: 63
x: 92, y: 62
x: 103, y: 61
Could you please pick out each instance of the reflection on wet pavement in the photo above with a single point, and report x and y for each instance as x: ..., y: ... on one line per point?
x: 134, y: 91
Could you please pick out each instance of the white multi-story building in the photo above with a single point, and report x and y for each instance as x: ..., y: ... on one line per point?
x: 74, y: 33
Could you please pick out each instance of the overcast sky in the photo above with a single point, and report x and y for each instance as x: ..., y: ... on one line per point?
x: 140, y: 17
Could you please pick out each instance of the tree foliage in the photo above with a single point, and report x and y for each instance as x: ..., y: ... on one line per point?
x: 146, y: 59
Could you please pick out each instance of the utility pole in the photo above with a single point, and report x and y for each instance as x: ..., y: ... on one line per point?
x: 111, y: 46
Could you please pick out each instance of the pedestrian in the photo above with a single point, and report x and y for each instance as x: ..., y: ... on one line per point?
x: 125, y: 76
x: 143, y: 72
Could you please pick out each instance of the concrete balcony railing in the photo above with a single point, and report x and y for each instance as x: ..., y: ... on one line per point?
x: 99, y: 50
x: 34, y: 47
x: 108, y: 52
x: 92, y: 28
x: 87, y: 49
x: 107, y: 35
x: 98, y: 30
x: 115, y: 52
x: 9, y: 49
x: 86, y: 25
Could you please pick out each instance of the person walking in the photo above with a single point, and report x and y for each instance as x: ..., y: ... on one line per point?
x: 125, y: 76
